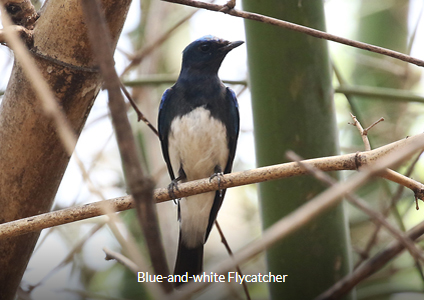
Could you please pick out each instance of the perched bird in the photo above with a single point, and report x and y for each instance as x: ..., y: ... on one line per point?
x: 198, y: 129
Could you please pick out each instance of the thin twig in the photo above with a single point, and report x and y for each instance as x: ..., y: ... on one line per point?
x: 230, y: 252
x: 373, y: 239
x: 155, y: 79
x: 122, y: 259
x: 140, y: 115
x: 364, y: 135
x: 138, y: 58
x: 129, y: 246
x: 368, y: 268
x: 299, y: 28
x: 25, y: 34
x: 68, y: 258
x: 388, y: 174
x: 372, y: 125
x: 333, y: 163
x: 302, y: 216
x: 140, y: 186
x: 376, y: 217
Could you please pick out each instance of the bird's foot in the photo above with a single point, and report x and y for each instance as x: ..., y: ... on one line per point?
x: 218, y: 174
x: 173, y: 186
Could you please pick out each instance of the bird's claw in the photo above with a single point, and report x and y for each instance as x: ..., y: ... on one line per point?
x: 218, y: 175
x: 171, y: 187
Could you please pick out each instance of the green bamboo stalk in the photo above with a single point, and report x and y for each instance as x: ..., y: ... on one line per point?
x: 293, y: 109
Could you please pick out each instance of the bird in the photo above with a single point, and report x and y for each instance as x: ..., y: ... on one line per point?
x: 198, y: 126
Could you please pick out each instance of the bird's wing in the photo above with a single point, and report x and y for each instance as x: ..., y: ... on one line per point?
x: 233, y: 128
x: 164, y: 124
x: 232, y: 122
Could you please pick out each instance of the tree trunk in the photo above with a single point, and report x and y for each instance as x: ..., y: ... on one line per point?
x: 293, y: 109
x: 32, y: 157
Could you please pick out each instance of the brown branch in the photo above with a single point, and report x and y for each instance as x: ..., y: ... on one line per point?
x: 372, y: 125
x: 69, y: 257
x: 129, y: 246
x: 365, y: 270
x: 299, y: 28
x: 364, y: 254
x: 138, y: 57
x: 333, y: 163
x: 141, y: 187
x: 364, y: 134
x: 25, y: 34
x: 376, y: 217
x: 230, y: 252
x: 122, y: 259
x: 303, y: 215
x: 140, y: 115
x: 390, y: 174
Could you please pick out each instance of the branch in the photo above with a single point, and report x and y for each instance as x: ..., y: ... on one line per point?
x: 303, y: 215
x: 155, y: 79
x: 388, y: 174
x: 25, y: 34
x: 230, y: 253
x: 364, y: 254
x: 333, y: 163
x: 122, y: 259
x: 140, y: 186
x: 376, y: 217
x: 140, y: 55
x: 299, y: 28
x: 365, y: 270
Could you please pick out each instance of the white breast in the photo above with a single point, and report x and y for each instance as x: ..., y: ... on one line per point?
x: 198, y: 143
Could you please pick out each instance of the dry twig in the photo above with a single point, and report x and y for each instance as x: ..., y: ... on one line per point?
x: 333, y: 163
x: 141, y: 186
x: 388, y: 174
x: 299, y: 28
x: 304, y: 215
x: 369, y: 267
x: 230, y: 252
x: 376, y: 217
x: 122, y: 259
x: 25, y: 34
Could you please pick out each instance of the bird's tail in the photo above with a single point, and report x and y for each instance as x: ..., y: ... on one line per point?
x: 189, y: 260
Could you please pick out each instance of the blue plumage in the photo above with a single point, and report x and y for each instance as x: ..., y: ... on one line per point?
x: 198, y: 129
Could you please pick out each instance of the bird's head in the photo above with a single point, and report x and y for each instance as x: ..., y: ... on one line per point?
x: 207, y: 53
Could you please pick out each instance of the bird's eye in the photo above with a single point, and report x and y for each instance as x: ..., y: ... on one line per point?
x: 205, y: 47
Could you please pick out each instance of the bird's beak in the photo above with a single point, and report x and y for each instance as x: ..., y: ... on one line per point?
x: 231, y: 46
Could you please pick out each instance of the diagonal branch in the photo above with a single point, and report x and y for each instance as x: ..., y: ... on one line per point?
x: 376, y: 217
x: 140, y: 186
x: 371, y: 266
x: 299, y: 28
x: 303, y: 215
